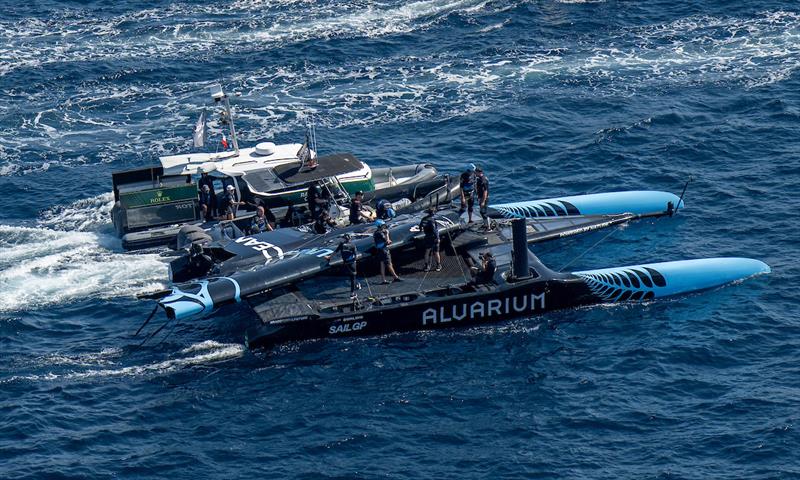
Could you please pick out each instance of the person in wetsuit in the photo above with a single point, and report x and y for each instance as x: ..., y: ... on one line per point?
x: 349, y: 255
x: 429, y: 226
x: 317, y: 200
x: 206, y: 180
x: 482, y: 192
x: 322, y: 223
x: 467, y: 184
x: 207, y: 203
x: 485, y: 273
x: 357, y: 215
x: 382, y: 242
x: 384, y: 209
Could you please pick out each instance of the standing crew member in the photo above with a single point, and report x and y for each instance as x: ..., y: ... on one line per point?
x: 467, y: 184
x: 207, y: 203
x: 356, y: 214
x: 382, y: 242
x: 206, y: 180
x: 316, y: 203
x: 349, y: 255
x: 482, y: 191
x: 230, y: 204
x: 431, y: 229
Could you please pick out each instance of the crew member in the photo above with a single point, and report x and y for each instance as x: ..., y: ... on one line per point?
x: 317, y: 203
x: 482, y: 192
x: 429, y: 226
x: 206, y: 180
x: 207, y: 202
x: 349, y: 255
x: 485, y: 273
x: 323, y: 222
x: 467, y: 184
x: 260, y: 222
x: 230, y: 203
x: 382, y: 242
x: 357, y: 215
x: 384, y: 209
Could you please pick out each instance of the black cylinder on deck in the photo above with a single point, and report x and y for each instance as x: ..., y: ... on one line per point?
x: 519, y: 268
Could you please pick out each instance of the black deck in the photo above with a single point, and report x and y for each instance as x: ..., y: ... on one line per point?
x: 327, y: 166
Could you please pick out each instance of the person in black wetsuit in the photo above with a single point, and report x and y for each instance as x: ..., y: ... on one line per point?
x: 485, y: 273
x: 429, y: 226
x: 467, y: 184
x: 207, y: 203
x: 482, y: 192
x: 316, y: 201
x: 382, y: 242
x: 322, y: 223
x: 356, y: 214
x: 205, y: 179
x: 349, y: 255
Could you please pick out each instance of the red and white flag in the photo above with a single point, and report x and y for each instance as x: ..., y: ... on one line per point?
x: 224, y: 142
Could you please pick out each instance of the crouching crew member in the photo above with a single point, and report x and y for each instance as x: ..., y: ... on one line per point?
x: 357, y: 215
x: 467, y: 184
x: 431, y: 229
x: 384, y: 210
x: 349, y: 255
x: 323, y: 222
x: 382, y: 242
x: 485, y: 273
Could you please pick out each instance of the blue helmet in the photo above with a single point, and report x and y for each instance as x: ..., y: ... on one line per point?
x: 470, y: 167
x: 390, y: 212
x: 379, y: 223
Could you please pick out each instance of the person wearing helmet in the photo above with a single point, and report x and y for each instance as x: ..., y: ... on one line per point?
x: 467, y: 184
x: 429, y: 226
x: 384, y: 209
x: 357, y: 214
x: 317, y: 203
x: 382, y: 242
x: 349, y: 256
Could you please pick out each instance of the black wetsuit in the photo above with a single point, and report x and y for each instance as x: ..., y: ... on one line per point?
x: 349, y: 253
x: 207, y: 180
x: 207, y: 199
x: 259, y: 225
x: 322, y: 223
x: 467, y: 184
x: 229, y: 204
x: 355, y: 212
x: 481, y: 188
x: 486, y: 274
x: 429, y: 226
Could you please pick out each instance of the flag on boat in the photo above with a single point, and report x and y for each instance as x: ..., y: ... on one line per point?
x: 200, y: 131
x: 304, y: 154
x: 224, y: 142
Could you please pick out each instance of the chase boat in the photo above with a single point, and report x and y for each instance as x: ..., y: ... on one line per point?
x: 296, y: 294
x: 151, y: 204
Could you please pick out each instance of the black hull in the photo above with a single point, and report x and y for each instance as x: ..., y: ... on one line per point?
x: 486, y: 305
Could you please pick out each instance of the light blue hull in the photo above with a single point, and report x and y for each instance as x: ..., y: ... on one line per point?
x: 640, y: 202
x: 653, y: 280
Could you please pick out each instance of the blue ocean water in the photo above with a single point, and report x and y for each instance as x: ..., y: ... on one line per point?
x: 552, y: 97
